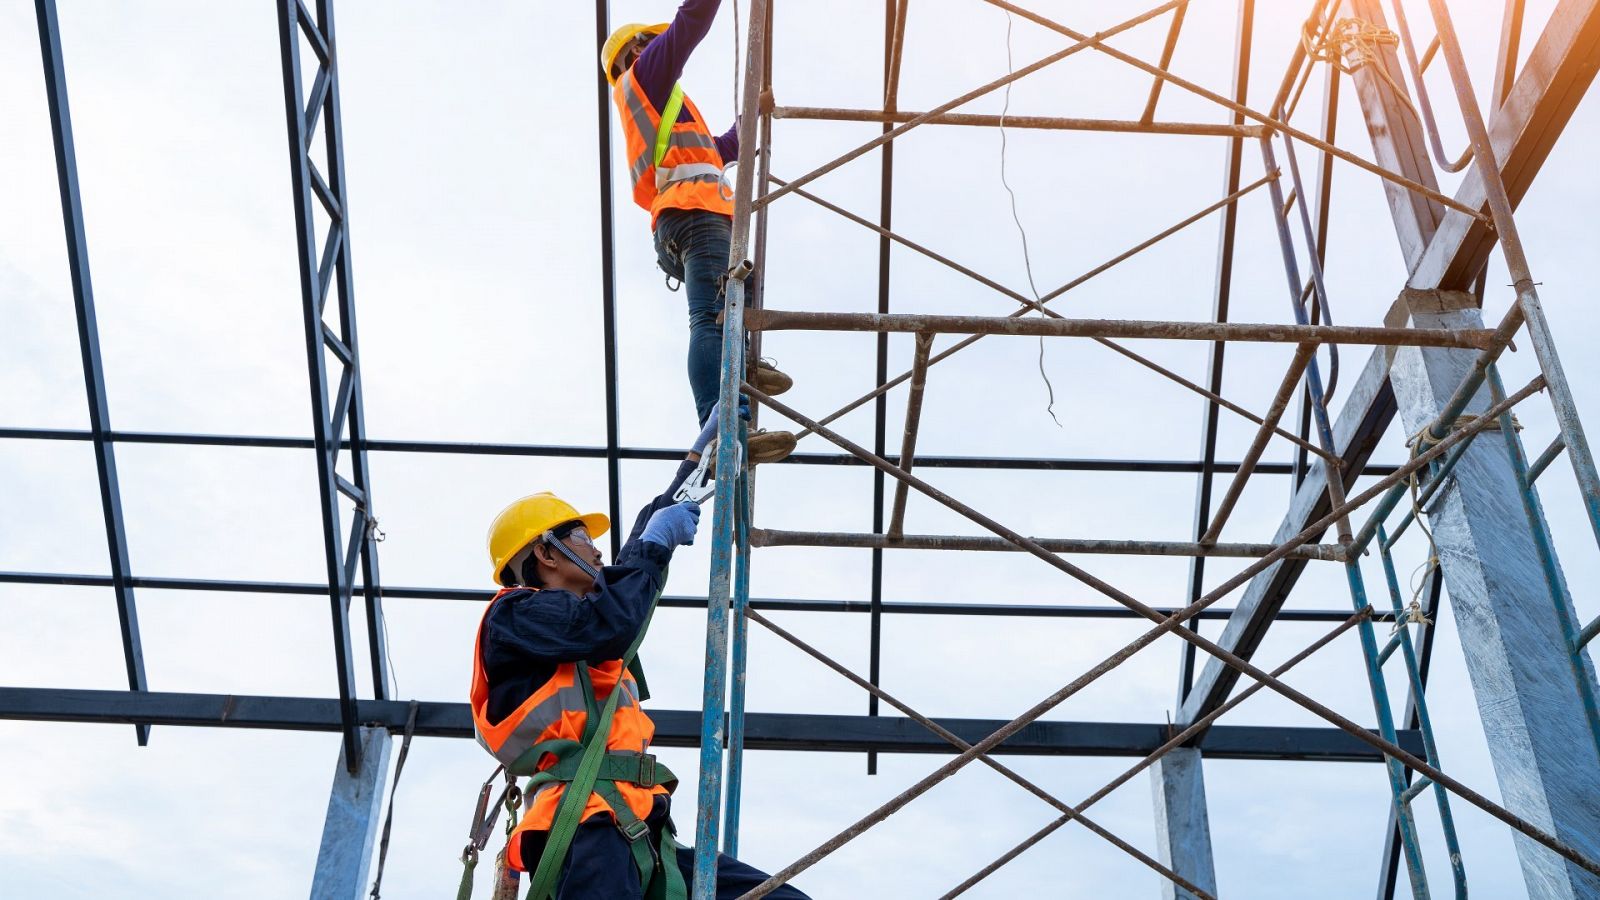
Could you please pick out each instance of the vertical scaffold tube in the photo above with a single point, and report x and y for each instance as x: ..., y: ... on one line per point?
x: 1380, y: 702
x: 741, y: 637
x: 1447, y: 821
x: 1358, y: 591
x: 729, y: 428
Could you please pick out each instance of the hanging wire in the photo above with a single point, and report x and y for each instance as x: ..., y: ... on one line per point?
x: 1027, y: 258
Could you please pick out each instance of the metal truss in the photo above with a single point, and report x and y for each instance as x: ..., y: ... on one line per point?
x: 1446, y: 240
x: 325, y: 275
x: 1445, y: 442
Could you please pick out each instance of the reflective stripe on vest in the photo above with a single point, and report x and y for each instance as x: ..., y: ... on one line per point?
x: 557, y: 697
x: 684, y: 156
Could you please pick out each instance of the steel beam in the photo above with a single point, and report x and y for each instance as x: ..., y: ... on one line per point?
x: 354, y: 818
x: 1183, y: 834
x: 472, y: 595
x: 1397, y: 138
x: 608, y: 279
x: 1545, y: 757
x: 325, y: 274
x: 94, y: 378
x: 681, y: 728
x: 1555, y: 77
x: 459, y: 448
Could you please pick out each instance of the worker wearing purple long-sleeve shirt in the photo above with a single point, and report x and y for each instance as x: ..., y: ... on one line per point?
x: 675, y: 164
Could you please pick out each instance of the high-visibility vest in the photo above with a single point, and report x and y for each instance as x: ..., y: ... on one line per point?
x: 557, y: 711
x: 688, y: 174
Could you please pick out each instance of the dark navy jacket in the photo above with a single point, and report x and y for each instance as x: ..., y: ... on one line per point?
x: 529, y: 633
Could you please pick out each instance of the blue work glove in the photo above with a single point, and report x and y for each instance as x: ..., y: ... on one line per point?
x: 673, y: 526
x: 709, y: 431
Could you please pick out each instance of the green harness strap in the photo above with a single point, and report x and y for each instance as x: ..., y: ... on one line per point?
x: 587, y: 768
x: 669, y: 118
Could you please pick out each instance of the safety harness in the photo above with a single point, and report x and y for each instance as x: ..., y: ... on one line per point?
x: 687, y: 171
x: 586, y: 767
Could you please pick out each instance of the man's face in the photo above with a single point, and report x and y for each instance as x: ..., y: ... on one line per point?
x: 579, y: 542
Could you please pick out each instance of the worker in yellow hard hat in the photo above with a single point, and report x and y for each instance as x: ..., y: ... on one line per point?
x: 556, y: 681
x: 675, y: 165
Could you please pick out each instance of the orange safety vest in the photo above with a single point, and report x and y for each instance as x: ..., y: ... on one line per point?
x: 557, y: 711
x: 690, y: 174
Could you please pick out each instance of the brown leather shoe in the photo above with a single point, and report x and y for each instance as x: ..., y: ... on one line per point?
x: 766, y: 378
x: 770, y: 446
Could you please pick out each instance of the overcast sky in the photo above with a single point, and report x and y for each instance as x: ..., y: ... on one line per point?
x: 470, y: 132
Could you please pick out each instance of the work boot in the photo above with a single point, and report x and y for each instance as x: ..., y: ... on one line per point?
x: 766, y: 378
x: 770, y: 446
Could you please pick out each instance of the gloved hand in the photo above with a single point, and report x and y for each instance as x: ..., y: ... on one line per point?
x: 709, y: 431
x: 673, y: 526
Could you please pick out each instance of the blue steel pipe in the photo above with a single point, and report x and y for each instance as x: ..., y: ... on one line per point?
x: 741, y: 637
x: 729, y: 432
x: 1291, y: 268
x: 1419, y: 699
x: 1380, y: 702
x: 1313, y: 259
x: 1405, y: 821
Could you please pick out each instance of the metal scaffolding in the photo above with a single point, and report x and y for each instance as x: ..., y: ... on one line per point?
x: 1437, y: 448
x: 1433, y: 362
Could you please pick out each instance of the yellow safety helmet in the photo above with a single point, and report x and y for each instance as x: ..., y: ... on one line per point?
x: 526, y: 520
x: 620, y: 39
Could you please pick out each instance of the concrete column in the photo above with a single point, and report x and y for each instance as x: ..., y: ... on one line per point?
x: 1183, y: 836
x: 350, y: 831
x: 1544, y: 757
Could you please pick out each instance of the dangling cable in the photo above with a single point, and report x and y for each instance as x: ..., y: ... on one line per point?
x: 1027, y: 258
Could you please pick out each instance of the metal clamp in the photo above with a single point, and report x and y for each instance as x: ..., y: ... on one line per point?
x: 702, y: 481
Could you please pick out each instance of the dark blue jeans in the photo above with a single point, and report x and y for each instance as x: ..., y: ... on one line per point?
x: 600, y: 867
x: 692, y: 246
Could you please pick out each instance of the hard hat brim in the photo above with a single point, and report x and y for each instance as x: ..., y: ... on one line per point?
x: 620, y: 39
x: 597, y: 523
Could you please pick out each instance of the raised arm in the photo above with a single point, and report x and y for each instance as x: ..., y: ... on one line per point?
x: 661, y: 63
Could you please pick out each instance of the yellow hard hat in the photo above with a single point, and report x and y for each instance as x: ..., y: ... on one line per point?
x: 524, y: 521
x: 620, y: 39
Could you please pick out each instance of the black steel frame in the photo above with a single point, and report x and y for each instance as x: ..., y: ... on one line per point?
x: 338, y: 425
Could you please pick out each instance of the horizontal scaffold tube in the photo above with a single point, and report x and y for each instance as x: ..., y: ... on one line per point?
x: 766, y: 537
x: 788, y: 320
x: 1052, y: 123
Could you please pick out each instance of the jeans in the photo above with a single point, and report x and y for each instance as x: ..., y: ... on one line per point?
x: 692, y: 246
x: 600, y: 866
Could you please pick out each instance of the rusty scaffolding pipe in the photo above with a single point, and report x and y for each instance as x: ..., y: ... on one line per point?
x: 1167, y: 50
x: 1045, y: 123
x: 1173, y: 742
x: 1280, y: 402
x: 1266, y: 120
x: 955, y: 740
x: 1164, y: 626
x: 1086, y: 276
x: 792, y: 320
x: 908, y: 442
x: 769, y: 537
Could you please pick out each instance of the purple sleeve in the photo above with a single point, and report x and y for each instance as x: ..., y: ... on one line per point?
x: 728, y: 145
x: 661, y: 63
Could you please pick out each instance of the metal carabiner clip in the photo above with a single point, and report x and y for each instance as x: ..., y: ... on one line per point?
x: 724, y: 183
x: 702, y: 481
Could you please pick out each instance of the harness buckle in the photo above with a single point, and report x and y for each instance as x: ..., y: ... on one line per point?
x: 634, y: 830
x: 647, y: 770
